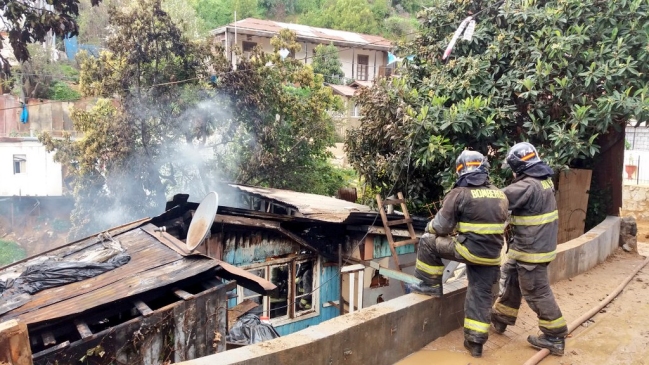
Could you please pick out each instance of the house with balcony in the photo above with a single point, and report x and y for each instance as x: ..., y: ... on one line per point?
x: 364, y: 57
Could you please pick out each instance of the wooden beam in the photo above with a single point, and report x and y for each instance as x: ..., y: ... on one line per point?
x: 83, y: 328
x: 352, y: 268
x: 388, y: 234
x: 380, y: 230
x: 392, y: 201
x: 183, y: 294
x: 399, y: 221
x: 407, y: 215
x: 14, y: 342
x: 142, y: 308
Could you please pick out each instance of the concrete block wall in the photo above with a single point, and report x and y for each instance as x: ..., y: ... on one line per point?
x: 387, y: 332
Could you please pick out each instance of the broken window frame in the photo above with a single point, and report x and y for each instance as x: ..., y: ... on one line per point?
x: 292, y: 315
x: 241, y: 291
x: 299, y: 313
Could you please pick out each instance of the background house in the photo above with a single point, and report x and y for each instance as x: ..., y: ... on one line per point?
x: 364, y: 57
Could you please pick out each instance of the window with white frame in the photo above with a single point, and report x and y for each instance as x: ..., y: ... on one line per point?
x: 296, y: 297
x: 356, y: 110
x: 20, y: 164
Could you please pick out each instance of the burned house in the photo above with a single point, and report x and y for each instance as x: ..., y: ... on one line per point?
x: 289, y: 256
x: 292, y: 240
x: 161, y: 303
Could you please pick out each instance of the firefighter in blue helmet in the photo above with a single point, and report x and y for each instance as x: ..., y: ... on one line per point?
x: 534, y: 221
x: 477, y: 210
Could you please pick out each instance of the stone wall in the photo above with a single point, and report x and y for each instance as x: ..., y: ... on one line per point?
x: 636, y: 201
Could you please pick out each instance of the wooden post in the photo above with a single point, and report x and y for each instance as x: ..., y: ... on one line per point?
x: 341, y: 305
x: 351, y: 292
x: 14, y: 344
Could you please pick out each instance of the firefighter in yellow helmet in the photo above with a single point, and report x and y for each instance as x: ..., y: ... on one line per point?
x: 478, y: 211
x: 534, y: 221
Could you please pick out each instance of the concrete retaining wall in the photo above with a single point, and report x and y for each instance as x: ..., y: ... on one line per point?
x: 386, y: 333
x: 586, y: 251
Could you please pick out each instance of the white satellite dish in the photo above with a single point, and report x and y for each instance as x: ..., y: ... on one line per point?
x: 202, y: 221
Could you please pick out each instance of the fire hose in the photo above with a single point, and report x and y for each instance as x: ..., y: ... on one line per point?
x: 586, y: 316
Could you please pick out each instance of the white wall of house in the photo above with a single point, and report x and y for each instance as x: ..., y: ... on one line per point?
x: 27, y: 169
x: 349, y: 57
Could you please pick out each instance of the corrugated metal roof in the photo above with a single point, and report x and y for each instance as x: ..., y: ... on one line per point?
x: 318, y: 207
x: 153, y: 264
x: 343, y: 90
x: 305, y: 31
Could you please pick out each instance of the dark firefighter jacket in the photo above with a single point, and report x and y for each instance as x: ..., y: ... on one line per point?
x: 534, y: 219
x: 479, y: 214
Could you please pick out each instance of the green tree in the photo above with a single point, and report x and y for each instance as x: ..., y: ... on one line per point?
x: 280, y: 127
x: 555, y: 73
x: 154, y: 73
x: 162, y: 125
x: 349, y: 15
x: 217, y: 13
x: 327, y: 64
x: 26, y: 24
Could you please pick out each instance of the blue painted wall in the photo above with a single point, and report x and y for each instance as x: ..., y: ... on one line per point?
x: 329, y: 291
x: 245, y: 248
x: 382, y: 247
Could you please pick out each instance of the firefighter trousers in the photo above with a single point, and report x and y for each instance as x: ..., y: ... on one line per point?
x: 482, y: 279
x: 530, y: 281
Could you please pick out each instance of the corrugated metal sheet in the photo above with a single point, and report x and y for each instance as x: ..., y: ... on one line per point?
x: 313, y: 33
x: 317, y: 207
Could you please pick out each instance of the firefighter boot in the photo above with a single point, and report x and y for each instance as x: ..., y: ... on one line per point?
x: 474, y: 348
x: 556, y: 345
x: 434, y: 290
x: 499, y: 326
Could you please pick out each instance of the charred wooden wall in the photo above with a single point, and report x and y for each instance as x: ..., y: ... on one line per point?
x: 184, y: 330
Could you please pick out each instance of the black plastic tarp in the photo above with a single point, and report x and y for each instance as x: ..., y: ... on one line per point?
x: 50, y: 274
x: 249, y: 329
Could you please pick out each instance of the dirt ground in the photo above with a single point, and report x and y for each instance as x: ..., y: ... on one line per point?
x: 619, y: 334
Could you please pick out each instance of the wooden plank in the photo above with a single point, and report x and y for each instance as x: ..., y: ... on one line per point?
x: 388, y: 234
x: 368, y: 247
x: 14, y: 342
x: 412, y: 241
x: 392, y: 202
x: 183, y: 294
x: 48, y: 339
x: 399, y: 221
x: 83, y: 328
x: 572, y: 203
x: 142, y: 308
x: 240, y: 309
x: 352, y: 268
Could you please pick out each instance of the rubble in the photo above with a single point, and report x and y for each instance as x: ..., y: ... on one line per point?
x: 628, y: 234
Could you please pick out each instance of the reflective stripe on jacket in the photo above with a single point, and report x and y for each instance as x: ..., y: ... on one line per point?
x: 479, y: 214
x: 534, y: 219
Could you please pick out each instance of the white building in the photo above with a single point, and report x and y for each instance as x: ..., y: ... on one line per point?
x: 27, y: 169
x: 363, y: 56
